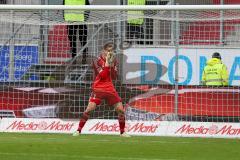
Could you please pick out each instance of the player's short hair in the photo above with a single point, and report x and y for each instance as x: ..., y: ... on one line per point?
x: 108, y: 45
x: 216, y: 55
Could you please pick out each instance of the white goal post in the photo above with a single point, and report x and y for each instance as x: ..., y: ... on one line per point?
x: 46, y: 68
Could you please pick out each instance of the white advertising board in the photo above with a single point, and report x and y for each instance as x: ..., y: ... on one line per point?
x: 162, y: 69
x: 111, y: 127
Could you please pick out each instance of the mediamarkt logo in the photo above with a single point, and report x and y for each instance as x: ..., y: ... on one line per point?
x: 138, y: 127
x: 43, y: 125
x: 214, y: 129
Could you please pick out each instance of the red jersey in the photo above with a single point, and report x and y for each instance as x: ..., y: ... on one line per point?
x: 104, y: 75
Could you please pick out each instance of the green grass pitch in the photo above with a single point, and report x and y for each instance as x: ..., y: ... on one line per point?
x: 16, y: 146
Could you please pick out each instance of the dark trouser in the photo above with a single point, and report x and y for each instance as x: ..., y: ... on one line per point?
x: 72, y: 36
x: 135, y: 32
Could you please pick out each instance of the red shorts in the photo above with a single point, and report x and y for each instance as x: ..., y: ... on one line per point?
x: 111, y: 97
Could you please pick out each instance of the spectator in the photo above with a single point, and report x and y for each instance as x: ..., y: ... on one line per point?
x: 215, y: 72
x: 135, y: 26
x: 70, y: 16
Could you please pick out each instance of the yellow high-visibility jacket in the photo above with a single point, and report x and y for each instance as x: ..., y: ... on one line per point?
x: 215, y: 73
x: 137, y: 21
x: 71, y: 15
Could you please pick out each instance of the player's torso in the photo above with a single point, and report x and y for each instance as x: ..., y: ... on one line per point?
x: 99, y: 82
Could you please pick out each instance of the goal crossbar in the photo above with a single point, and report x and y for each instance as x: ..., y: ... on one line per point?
x: 119, y: 7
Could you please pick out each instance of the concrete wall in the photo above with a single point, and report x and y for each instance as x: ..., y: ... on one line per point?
x: 193, y: 2
x: 25, y: 2
x: 21, y: 33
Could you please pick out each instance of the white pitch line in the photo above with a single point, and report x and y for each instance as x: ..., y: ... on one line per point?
x: 79, y: 156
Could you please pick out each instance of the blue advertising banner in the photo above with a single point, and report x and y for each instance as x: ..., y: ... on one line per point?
x: 4, y: 61
x: 24, y: 57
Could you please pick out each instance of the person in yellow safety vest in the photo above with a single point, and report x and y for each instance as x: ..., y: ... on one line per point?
x: 70, y: 16
x: 135, y: 25
x: 215, y: 72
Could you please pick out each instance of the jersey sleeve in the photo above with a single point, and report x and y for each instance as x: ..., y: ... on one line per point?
x: 100, y: 69
x: 104, y: 73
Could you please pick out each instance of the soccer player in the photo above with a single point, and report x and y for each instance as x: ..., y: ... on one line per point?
x: 105, y: 69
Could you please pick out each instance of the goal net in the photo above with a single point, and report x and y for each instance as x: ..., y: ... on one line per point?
x: 46, y: 55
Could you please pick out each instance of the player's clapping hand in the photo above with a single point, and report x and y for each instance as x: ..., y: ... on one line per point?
x: 110, y: 58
